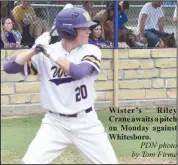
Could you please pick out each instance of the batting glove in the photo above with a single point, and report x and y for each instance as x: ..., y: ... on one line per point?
x: 42, y: 43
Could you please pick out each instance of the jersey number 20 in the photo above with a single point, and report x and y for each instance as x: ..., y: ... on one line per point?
x: 81, y: 93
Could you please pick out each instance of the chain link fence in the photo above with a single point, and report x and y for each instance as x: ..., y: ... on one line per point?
x: 47, y: 11
x: 168, y: 10
x: 50, y: 9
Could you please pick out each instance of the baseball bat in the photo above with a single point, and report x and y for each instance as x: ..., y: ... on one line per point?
x: 69, y: 5
x: 53, y: 28
x: 39, y: 48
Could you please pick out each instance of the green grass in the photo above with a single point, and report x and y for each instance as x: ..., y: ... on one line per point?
x: 16, y: 135
x: 124, y: 148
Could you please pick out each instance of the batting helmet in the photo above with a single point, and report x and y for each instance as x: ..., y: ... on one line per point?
x: 69, y: 19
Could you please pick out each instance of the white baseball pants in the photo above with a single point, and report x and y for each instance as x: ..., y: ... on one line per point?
x: 85, y: 131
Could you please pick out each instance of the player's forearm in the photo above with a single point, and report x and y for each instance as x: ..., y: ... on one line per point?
x: 23, y: 57
x: 63, y: 63
x: 77, y: 71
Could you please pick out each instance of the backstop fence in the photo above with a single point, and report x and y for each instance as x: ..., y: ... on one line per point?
x: 47, y: 11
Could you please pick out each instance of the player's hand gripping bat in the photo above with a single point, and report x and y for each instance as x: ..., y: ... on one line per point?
x: 40, y: 47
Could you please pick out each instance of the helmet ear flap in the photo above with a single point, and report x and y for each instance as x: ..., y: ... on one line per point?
x: 67, y: 32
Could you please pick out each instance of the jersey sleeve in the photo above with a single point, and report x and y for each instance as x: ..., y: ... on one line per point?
x: 146, y: 9
x: 93, y: 57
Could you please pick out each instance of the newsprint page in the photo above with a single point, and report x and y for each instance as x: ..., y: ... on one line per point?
x: 89, y: 82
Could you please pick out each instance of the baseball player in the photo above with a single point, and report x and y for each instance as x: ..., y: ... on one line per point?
x: 67, y: 71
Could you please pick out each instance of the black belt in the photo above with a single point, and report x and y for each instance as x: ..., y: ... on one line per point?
x: 72, y: 115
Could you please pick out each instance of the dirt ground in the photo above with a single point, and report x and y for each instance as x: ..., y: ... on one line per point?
x: 146, y: 161
x: 11, y: 117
